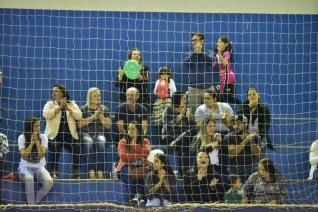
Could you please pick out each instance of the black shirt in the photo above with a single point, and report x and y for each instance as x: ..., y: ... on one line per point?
x: 201, y: 191
x: 125, y: 114
x: 245, y: 157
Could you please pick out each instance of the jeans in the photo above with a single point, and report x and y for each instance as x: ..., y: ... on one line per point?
x: 95, y: 147
x: 70, y: 144
x: 27, y: 174
x: 134, y: 186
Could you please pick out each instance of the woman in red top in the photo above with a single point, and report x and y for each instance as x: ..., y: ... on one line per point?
x: 133, y: 166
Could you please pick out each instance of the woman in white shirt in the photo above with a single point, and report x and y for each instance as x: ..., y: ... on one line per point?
x: 32, y: 147
x: 61, y: 114
x: 209, y: 141
x: 221, y: 112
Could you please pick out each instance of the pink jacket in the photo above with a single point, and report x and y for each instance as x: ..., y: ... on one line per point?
x: 227, y: 75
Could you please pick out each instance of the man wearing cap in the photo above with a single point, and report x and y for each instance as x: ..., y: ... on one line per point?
x: 152, y: 154
x: 243, y: 149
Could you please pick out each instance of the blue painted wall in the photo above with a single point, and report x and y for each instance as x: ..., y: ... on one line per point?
x: 81, y: 49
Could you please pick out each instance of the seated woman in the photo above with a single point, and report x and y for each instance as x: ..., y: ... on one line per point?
x: 141, y: 82
x: 160, y: 183
x: 258, y: 116
x: 202, y: 184
x: 32, y: 147
x: 209, y: 141
x: 61, y: 114
x: 176, y: 129
x: 265, y: 186
x: 133, y: 166
x: 95, y: 125
x: 221, y: 112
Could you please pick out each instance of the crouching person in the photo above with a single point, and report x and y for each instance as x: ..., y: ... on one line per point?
x: 32, y: 147
x: 160, y: 183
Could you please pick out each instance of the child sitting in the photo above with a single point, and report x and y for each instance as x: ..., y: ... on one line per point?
x: 234, y: 194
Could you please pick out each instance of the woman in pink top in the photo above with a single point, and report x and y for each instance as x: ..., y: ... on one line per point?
x: 227, y: 76
x: 133, y: 152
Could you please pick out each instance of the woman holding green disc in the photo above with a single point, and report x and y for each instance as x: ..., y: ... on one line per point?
x: 134, y: 74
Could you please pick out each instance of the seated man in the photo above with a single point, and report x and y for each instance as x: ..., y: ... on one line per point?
x: 131, y: 111
x: 243, y: 149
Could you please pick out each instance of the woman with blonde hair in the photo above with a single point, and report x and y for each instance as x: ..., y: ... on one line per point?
x: 95, y: 126
x: 209, y: 141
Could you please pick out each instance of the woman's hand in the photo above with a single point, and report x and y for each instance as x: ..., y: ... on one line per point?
x: 63, y: 103
x: 120, y: 73
x: 162, y: 175
x: 99, y: 111
x: 215, y: 145
x: 189, y: 112
x: 139, y: 77
x: 217, y: 137
x: 34, y: 138
x: 202, y: 172
x: 213, y: 182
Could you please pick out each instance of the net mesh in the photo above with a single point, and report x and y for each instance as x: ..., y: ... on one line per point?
x: 277, y: 54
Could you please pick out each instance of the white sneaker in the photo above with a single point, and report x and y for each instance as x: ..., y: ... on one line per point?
x: 155, y: 202
x: 166, y: 203
x: 134, y: 201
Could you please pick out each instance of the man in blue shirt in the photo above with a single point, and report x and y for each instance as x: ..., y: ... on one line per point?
x: 198, y: 66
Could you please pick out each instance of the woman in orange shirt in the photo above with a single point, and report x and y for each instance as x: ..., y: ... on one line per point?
x: 133, y: 165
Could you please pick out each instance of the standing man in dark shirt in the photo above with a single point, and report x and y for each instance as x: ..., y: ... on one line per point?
x: 131, y: 111
x: 198, y: 66
x: 243, y: 149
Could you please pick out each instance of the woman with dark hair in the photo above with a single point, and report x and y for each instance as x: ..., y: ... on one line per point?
x: 33, y: 146
x: 258, y: 116
x: 141, y: 82
x: 160, y: 183
x: 222, y: 57
x: 177, y: 129
x: 175, y: 118
x: 133, y: 166
x: 202, y: 184
x: 221, y: 112
x: 265, y: 186
x: 61, y: 114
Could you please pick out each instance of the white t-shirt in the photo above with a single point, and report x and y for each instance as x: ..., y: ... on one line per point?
x: 253, y: 127
x: 21, y: 144
x: 203, y: 112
